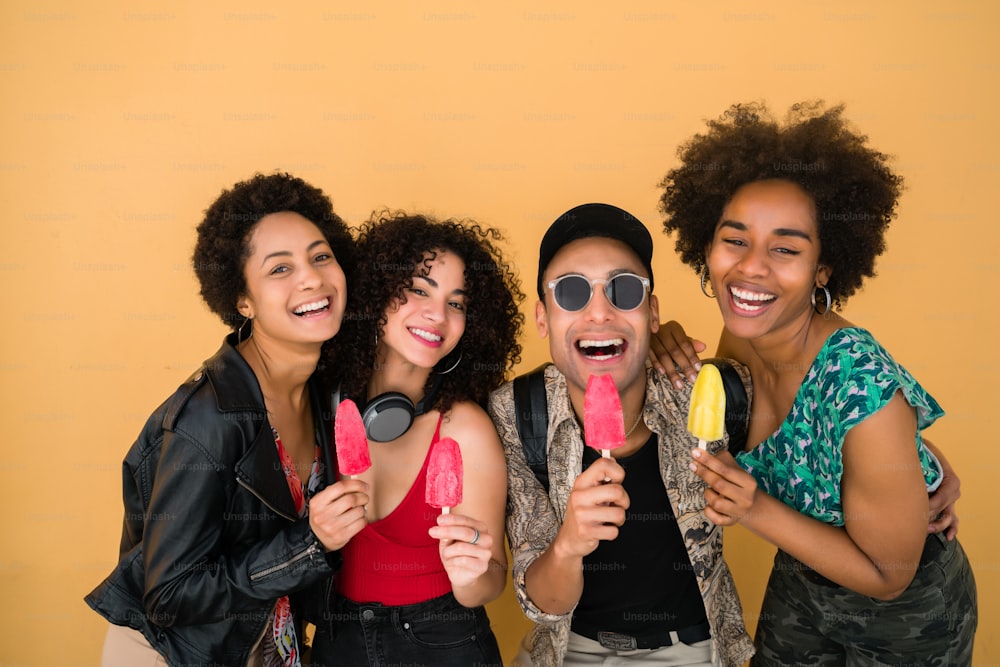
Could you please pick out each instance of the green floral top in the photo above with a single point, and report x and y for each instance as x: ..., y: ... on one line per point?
x: 852, y: 378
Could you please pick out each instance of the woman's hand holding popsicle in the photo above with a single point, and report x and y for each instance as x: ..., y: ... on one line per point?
x: 337, y: 513
x: 466, y: 547
x: 731, y: 491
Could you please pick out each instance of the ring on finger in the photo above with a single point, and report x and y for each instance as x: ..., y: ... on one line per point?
x: 475, y: 538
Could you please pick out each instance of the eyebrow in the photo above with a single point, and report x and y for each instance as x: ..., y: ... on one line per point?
x: 780, y: 231
x: 433, y: 283
x: 288, y: 253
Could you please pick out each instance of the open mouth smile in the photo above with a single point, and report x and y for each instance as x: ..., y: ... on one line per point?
x: 600, y: 350
x: 313, y: 308
x: 750, y: 301
x: 428, y: 336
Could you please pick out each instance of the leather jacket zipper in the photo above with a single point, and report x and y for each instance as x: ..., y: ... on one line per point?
x: 264, y: 500
x: 311, y: 550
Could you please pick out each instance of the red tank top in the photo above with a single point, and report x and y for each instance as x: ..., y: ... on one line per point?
x: 394, y: 561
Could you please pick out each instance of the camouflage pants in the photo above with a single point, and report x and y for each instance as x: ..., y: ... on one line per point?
x: 808, y: 620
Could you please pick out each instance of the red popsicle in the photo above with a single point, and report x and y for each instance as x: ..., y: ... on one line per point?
x: 351, y: 440
x: 603, y: 424
x: 444, y: 475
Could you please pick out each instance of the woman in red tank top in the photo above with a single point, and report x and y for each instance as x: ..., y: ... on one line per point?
x: 434, y: 318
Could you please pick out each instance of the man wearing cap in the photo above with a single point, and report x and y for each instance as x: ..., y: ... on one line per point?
x: 616, y: 558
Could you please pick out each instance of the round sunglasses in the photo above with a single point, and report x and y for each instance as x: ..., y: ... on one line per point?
x: 625, y: 291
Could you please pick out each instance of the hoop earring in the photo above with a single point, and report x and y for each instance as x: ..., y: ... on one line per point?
x: 452, y: 367
x: 704, y: 281
x: 826, y: 295
x: 239, y: 332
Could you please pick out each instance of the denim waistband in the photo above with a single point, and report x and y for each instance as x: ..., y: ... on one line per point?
x: 444, y: 608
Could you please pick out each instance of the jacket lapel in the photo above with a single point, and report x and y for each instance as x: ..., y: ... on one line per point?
x: 260, y: 471
x: 238, y: 393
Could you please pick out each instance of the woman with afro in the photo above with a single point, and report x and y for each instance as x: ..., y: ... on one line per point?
x: 784, y: 222
x: 226, y: 524
x: 433, y: 324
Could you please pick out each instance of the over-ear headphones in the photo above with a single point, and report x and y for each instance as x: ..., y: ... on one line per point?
x: 390, y: 415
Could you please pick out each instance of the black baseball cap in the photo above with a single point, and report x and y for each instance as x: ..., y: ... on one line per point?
x: 596, y: 220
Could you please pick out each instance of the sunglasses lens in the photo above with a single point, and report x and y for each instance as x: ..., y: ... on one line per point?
x: 572, y: 293
x: 626, y: 292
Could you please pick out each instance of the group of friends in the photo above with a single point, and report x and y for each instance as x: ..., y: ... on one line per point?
x: 239, y: 530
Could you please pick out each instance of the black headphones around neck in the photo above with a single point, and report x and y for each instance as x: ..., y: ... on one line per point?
x: 390, y: 415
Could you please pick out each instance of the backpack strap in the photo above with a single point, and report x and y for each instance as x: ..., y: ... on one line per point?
x: 531, y: 410
x: 737, y: 408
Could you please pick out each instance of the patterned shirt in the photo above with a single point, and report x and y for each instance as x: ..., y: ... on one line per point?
x: 852, y: 378
x: 283, y: 648
x: 534, y: 516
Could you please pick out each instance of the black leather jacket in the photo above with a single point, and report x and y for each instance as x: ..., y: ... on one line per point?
x: 211, y: 538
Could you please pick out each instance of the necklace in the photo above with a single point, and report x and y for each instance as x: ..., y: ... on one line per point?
x: 637, y: 420
x: 627, y: 433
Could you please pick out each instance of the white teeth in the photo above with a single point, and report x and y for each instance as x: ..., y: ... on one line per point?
x: 310, y: 307
x: 745, y: 295
x: 601, y: 343
x: 750, y: 308
x: 613, y: 346
x: 426, y: 335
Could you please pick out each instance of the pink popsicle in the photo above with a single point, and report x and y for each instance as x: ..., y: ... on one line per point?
x: 603, y: 425
x: 352, y: 443
x: 444, y: 475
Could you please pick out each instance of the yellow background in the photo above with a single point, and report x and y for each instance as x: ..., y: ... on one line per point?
x: 121, y: 121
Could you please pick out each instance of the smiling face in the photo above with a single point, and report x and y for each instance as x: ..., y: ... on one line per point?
x: 296, y: 290
x: 599, y: 338
x: 764, y: 258
x: 428, y: 325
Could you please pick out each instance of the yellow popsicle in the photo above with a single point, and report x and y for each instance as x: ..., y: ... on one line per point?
x: 707, y: 412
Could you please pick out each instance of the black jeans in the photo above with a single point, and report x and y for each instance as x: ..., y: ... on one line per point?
x: 438, y: 632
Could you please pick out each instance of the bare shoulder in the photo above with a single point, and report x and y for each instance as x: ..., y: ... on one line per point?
x: 467, y: 422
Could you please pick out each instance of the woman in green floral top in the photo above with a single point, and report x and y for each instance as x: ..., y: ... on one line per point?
x: 836, y: 473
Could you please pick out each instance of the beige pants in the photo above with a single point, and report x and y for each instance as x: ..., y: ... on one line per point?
x: 585, y: 651
x: 125, y: 647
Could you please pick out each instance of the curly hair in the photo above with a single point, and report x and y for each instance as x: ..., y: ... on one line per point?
x: 392, y: 248
x: 223, y: 246
x: 851, y: 184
